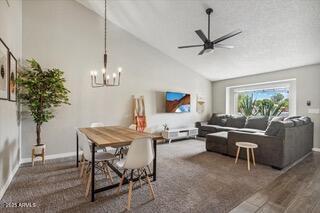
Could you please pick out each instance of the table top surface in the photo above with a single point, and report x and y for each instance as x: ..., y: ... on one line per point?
x: 115, y: 135
x: 246, y: 145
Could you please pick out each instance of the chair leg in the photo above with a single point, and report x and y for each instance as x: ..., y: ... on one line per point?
x: 83, y: 165
x: 121, y: 181
x: 150, y: 186
x: 109, y: 173
x: 88, y: 184
x: 129, y: 195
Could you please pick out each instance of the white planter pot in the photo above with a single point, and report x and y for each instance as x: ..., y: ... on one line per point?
x: 38, y: 149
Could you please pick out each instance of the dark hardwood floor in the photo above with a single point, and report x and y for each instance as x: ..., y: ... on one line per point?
x: 297, y: 190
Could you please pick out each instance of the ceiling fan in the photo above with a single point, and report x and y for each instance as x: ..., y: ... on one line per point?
x: 209, y: 45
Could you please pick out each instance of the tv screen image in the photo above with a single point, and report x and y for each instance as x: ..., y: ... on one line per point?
x: 177, y: 102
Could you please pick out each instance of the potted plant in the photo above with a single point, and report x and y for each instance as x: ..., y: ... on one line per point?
x: 41, y: 91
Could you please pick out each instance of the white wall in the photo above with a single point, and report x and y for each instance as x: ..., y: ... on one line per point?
x: 66, y: 35
x: 10, y: 32
x: 307, y: 88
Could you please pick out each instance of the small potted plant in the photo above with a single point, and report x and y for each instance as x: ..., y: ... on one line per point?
x: 41, y: 91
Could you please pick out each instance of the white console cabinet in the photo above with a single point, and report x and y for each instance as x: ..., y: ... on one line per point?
x: 173, y: 134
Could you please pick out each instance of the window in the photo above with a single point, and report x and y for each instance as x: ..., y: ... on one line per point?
x: 269, y: 99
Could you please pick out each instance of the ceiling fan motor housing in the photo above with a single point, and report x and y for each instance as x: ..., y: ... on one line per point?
x: 209, y: 11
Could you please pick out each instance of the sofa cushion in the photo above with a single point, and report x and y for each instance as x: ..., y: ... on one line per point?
x: 217, y: 142
x: 274, y: 128
x: 218, y: 119
x: 236, y: 121
x: 257, y: 122
x: 276, y: 118
x: 250, y: 130
x: 297, y: 122
x: 305, y: 119
x: 216, y: 128
x: 292, y: 117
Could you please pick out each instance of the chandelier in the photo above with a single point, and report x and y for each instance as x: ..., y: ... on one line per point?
x: 106, y: 79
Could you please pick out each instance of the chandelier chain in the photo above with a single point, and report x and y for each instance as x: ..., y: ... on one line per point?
x: 105, y: 26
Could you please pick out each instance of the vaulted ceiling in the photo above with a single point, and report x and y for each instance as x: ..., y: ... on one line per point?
x: 277, y: 34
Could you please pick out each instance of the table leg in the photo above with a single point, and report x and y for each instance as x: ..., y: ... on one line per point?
x: 77, y: 151
x: 248, y: 158
x: 92, y: 171
x: 253, y: 158
x: 237, y: 156
x: 155, y: 160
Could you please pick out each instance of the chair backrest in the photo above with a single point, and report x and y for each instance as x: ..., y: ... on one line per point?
x: 97, y: 124
x: 85, y: 143
x: 140, y: 154
x: 78, y: 132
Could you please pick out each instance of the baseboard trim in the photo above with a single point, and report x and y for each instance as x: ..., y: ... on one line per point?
x: 49, y: 157
x: 7, y: 183
x: 316, y: 149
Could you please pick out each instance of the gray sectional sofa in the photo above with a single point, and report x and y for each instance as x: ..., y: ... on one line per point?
x: 281, y: 141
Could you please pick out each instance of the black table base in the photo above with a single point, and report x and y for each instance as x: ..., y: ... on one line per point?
x: 93, y: 190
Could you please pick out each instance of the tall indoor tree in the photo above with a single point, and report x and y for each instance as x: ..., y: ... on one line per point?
x: 41, y: 91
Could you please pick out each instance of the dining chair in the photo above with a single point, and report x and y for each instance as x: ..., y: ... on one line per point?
x: 139, y: 156
x: 101, y: 161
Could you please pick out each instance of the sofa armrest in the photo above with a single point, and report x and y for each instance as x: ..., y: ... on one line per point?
x: 201, y: 123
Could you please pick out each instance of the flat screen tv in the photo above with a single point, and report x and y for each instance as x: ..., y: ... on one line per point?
x: 177, y: 102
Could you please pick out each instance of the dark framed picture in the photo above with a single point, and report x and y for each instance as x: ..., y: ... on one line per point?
x: 13, y: 66
x: 4, y: 70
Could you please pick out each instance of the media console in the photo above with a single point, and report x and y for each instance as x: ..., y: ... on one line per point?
x: 173, y: 134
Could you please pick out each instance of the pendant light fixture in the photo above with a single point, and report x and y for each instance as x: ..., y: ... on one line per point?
x: 106, y: 79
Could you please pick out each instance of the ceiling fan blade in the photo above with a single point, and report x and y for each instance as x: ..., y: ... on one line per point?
x: 229, y: 35
x: 224, y: 46
x: 200, y: 45
x: 201, y: 52
x: 201, y: 35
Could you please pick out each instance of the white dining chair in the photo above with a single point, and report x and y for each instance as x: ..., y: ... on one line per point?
x: 101, y: 161
x: 139, y: 156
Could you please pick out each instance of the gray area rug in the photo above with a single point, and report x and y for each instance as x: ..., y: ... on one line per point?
x: 189, y: 179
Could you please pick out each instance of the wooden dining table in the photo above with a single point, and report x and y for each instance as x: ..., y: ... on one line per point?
x: 113, y: 136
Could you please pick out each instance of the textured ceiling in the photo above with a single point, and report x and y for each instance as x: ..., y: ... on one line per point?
x: 277, y: 34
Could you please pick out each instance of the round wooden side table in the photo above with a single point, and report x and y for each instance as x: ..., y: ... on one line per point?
x: 248, y: 146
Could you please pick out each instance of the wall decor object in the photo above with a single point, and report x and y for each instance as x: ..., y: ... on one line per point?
x: 200, y: 104
x: 4, y: 68
x: 13, y: 66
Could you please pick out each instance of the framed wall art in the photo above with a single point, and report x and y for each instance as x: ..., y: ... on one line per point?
x: 12, y: 78
x: 4, y: 70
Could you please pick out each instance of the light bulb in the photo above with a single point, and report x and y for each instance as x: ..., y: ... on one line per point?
x: 119, y: 69
x: 114, y: 75
x: 108, y: 77
x: 95, y: 73
x: 103, y: 70
x: 91, y: 73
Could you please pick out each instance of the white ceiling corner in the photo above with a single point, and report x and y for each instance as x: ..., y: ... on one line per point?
x: 277, y: 34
